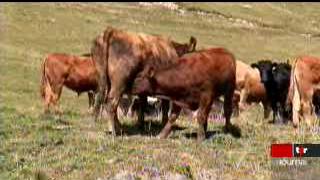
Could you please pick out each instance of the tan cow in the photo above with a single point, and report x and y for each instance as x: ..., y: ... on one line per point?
x: 249, y: 87
x: 304, y: 82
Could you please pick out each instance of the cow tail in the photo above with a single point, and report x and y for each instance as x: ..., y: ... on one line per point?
x: 296, y: 93
x: 104, y: 80
x: 44, y: 79
x: 293, y: 99
x: 107, y: 78
x: 291, y: 90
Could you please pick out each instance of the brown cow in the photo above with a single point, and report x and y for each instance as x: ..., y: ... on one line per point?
x: 77, y: 74
x: 249, y: 87
x: 120, y: 56
x: 304, y: 82
x: 193, y: 82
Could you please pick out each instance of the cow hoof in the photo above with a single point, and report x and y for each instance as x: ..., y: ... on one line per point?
x: 278, y: 122
x: 162, y: 135
x: 233, y: 130
x: 90, y: 111
x: 140, y: 126
x: 46, y: 111
x: 227, y: 129
x: 116, y: 133
x: 271, y: 122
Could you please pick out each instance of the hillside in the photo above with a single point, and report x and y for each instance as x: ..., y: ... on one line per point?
x: 75, y: 147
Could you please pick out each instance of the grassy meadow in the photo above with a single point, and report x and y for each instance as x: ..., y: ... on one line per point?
x: 72, y: 146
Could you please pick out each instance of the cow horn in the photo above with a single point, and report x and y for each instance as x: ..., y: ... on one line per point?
x: 193, y: 43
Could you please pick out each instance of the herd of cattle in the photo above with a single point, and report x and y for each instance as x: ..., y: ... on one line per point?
x: 122, y: 65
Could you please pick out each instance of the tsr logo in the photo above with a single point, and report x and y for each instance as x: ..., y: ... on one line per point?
x: 301, y: 151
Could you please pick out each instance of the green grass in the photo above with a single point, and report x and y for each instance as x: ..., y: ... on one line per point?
x: 74, y: 147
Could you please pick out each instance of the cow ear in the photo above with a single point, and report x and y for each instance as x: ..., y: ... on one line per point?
x: 254, y: 65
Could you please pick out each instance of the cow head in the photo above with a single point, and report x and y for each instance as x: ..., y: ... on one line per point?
x: 265, y: 68
x: 145, y: 82
x: 182, y: 49
x: 282, y: 73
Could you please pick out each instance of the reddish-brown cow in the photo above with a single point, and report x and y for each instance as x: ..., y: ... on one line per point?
x: 193, y: 82
x: 77, y: 74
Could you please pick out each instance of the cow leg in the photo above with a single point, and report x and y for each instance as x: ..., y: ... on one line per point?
x: 227, y: 108
x: 112, y: 111
x: 278, y: 114
x: 307, y: 111
x: 132, y: 107
x: 115, y: 95
x: 275, y: 112
x: 266, y: 110
x: 236, y: 104
x: 202, y: 116
x: 317, y: 110
x: 91, y: 101
x: 127, y: 103
x: 142, y: 102
x: 47, y: 99
x: 296, y: 106
x: 173, y: 117
x: 281, y: 112
x: 243, y: 99
x: 165, y: 105
x: 315, y: 102
x: 285, y: 113
x: 56, y: 96
x: 236, y: 110
x: 306, y: 104
x: 51, y: 97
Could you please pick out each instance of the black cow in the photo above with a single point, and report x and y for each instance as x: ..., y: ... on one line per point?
x: 276, y: 79
x: 316, y: 103
x: 154, y: 107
